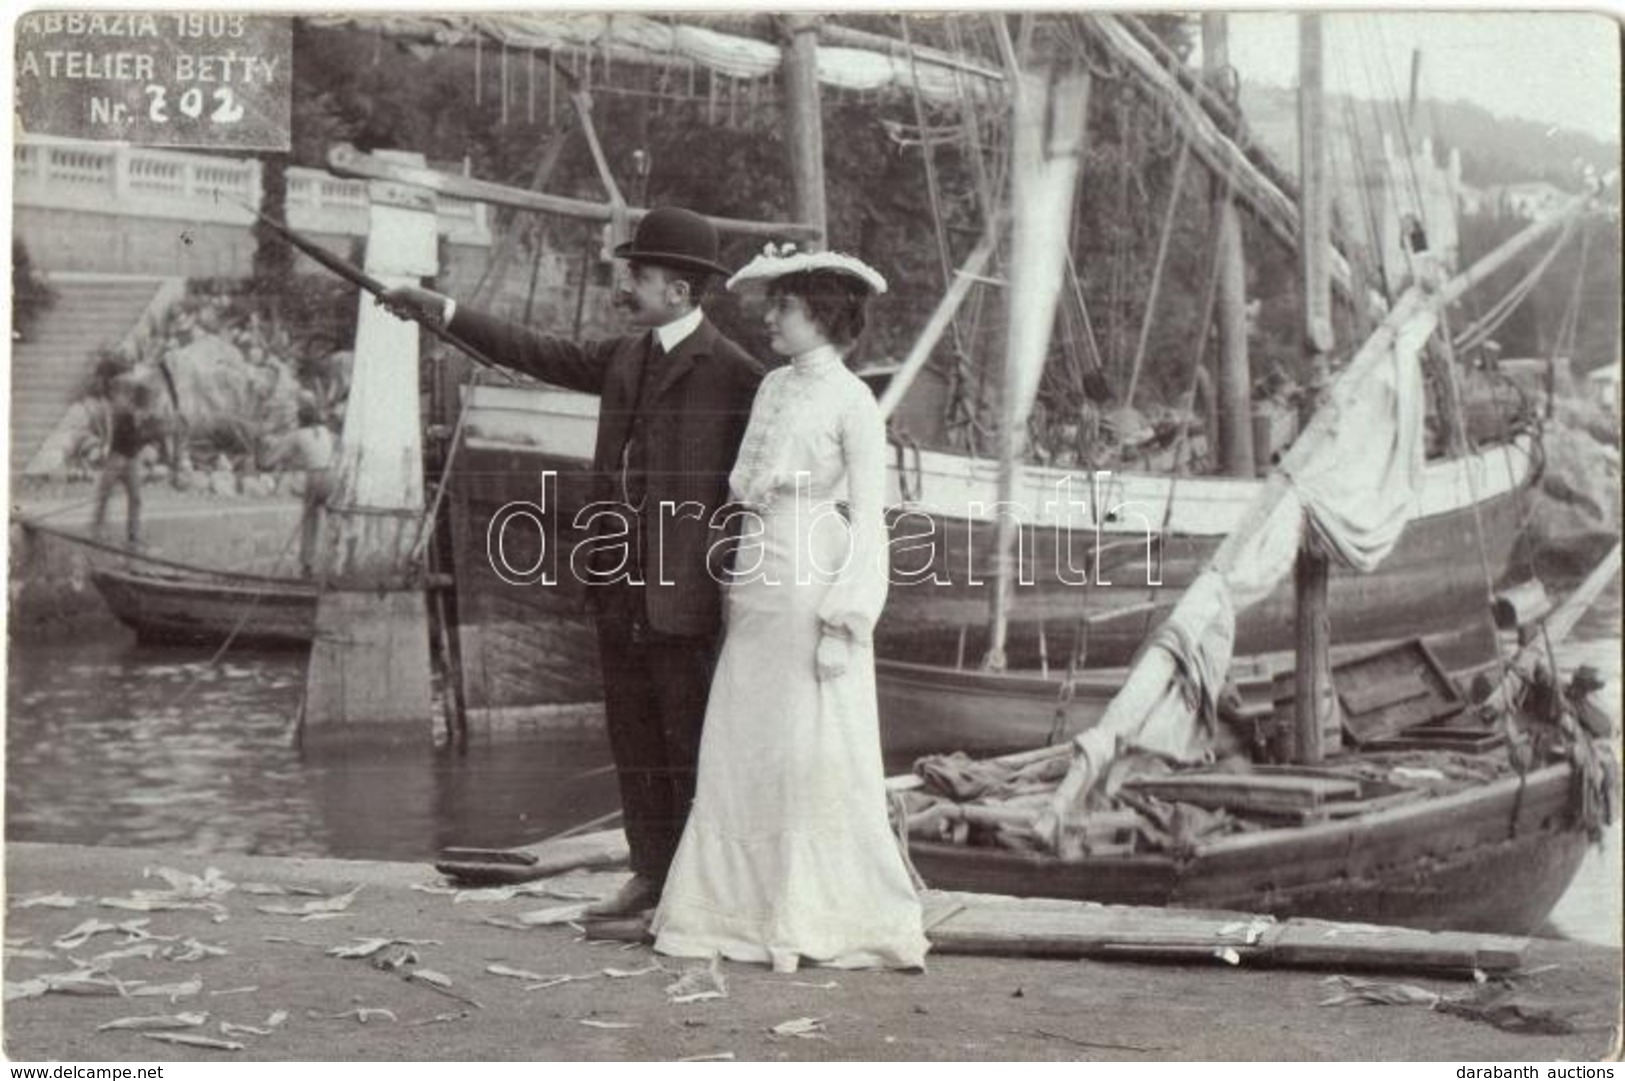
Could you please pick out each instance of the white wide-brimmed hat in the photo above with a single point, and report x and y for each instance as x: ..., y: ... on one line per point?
x: 777, y: 260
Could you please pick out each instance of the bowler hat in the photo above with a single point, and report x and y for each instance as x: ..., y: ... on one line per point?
x: 674, y: 237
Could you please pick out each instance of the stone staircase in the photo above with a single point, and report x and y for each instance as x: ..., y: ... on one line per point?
x: 48, y: 369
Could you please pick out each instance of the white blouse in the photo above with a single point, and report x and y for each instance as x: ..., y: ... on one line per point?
x: 816, y: 434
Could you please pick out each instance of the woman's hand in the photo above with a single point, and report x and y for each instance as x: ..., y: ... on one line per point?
x: 833, y: 656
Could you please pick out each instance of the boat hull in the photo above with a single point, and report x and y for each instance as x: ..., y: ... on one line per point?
x: 174, y: 609
x: 1495, y: 858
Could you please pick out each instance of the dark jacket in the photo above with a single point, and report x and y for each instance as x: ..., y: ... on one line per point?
x: 698, y: 404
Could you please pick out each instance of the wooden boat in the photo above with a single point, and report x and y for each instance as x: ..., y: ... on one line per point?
x: 204, y: 607
x: 1492, y: 858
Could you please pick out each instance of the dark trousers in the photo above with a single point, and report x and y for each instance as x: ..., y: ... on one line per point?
x: 655, y: 689
x: 119, y: 470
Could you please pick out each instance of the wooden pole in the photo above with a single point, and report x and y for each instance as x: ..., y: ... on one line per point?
x: 1046, y: 152
x: 1235, y: 382
x: 938, y: 324
x: 367, y: 684
x: 348, y: 161
x: 804, y: 112
x: 1315, y: 721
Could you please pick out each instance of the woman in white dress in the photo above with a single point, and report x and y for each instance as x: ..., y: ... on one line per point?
x: 788, y: 855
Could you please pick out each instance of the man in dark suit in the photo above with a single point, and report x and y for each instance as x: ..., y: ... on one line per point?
x: 675, y: 400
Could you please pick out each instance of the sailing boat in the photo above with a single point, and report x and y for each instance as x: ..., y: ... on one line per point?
x: 1149, y: 805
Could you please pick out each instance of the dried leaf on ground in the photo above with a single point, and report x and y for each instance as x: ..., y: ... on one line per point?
x: 184, y: 884
x: 144, y: 950
x: 362, y: 1014
x: 85, y: 981
x: 507, y: 922
x: 172, y: 991
x: 827, y: 985
x: 277, y: 1019
x: 514, y: 973
x: 715, y: 1056
x: 159, y: 904
x: 158, y: 1022
x: 628, y: 973
x: 556, y: 981
x: 607, y: 1024
x: 321, y: 906
x: 83, y: 933
x: 437, y: 1019
x: 522, y: 889
x: 548, y: 917
x: 136, y: 931
x: 808, y: 1028
x: 228, y: 1028
x: 194, y: 950
x: 28, y: 953
x: 46, y: 900
x: 429, y: 975
x: 194, y: 1041
x: 20, y: 989
x: 366, y: 947
x: 699, y: 983
x: 1349, y: 991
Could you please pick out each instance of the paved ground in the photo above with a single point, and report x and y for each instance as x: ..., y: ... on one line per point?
x: 963, y: 1008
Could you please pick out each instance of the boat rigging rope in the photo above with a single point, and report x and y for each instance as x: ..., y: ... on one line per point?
x: 1175, y: 187
x: 1502, y: 309
x: 136, y: 556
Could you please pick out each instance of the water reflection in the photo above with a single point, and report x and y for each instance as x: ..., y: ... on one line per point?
x: 113, y: 743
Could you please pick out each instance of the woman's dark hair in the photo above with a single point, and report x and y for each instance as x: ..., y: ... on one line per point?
x: 836, y: 302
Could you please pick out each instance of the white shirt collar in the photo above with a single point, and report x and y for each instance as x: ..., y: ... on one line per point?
x: 675, y: 332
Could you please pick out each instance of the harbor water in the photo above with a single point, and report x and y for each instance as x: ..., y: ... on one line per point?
x: 113, y: 743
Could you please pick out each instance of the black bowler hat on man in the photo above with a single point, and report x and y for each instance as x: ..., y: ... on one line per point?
x: 674, y: 237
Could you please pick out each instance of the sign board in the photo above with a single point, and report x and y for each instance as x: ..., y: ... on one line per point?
x: 188, y: 79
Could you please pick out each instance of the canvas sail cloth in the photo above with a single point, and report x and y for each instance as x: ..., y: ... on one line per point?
x: 640, y: 39
x: 1353, y: 487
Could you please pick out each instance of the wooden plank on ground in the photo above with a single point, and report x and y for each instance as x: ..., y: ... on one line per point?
x: 590, y: 851
x: 1072, y: 929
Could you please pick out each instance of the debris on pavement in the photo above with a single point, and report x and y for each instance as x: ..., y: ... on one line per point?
x: 47, y: 900
x: 499, y: 969
x: 701, y: 983
x: 161, y: 1021
x: 324, y: 906
x: 807, y: 1028
x: 172, y: 991
x: 194, y: 1041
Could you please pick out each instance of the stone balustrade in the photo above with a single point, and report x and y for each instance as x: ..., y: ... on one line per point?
x: 112, y: 178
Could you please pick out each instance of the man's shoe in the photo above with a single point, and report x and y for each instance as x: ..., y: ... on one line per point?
x: 638, y: 895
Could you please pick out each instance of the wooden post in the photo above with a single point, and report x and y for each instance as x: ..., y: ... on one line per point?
x: 1235, y: 381
x: 806, y: 123
x: 1046, y: 152
x: 1316, y: 721
x: 367, y: 685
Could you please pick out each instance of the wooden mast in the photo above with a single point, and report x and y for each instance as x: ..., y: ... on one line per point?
x: 1047, y: 149
x: 804, y: 112
x: 1234, y: 383
x: 1316, y: 722
x: 367, y: 683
